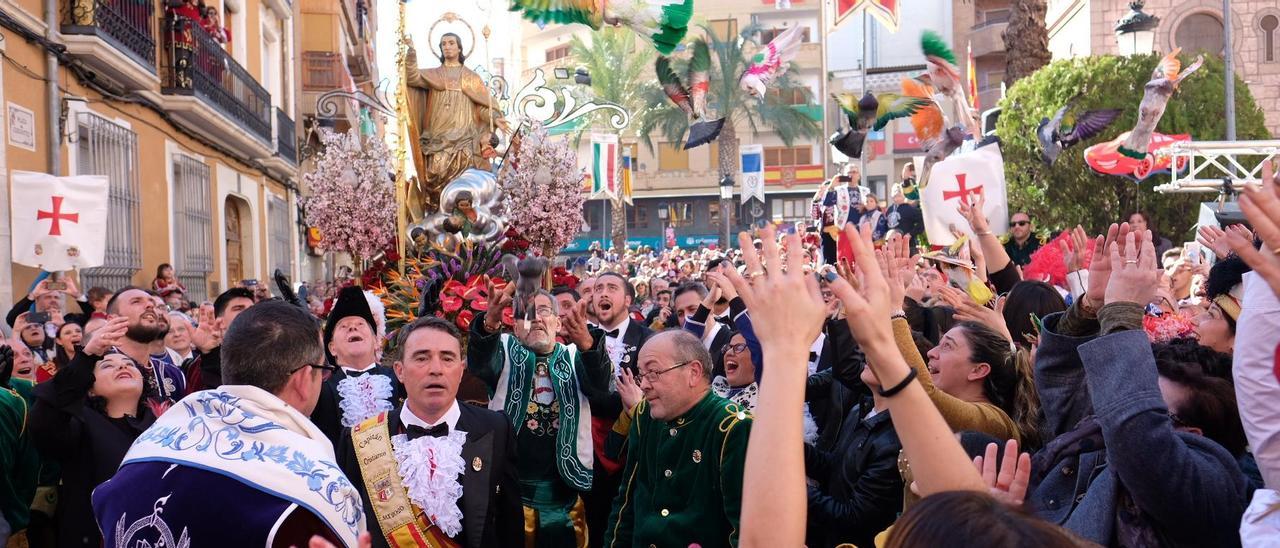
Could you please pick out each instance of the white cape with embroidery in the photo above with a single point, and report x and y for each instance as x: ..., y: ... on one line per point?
x: 248, y: 434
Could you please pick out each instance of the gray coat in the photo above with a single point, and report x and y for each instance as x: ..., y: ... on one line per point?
x: 1190, y: 488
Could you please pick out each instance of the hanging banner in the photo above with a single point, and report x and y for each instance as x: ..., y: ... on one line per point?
x: 964, y: 177
x: 628, y: 174
x: 752, y: 172
x: 604, y: 164
x: 59, y: 223
x: 885, y: 11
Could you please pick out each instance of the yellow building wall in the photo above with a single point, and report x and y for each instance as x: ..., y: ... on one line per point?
x: 153, y: 133
x: 320, y: 32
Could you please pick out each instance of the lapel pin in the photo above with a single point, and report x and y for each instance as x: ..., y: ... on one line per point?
x: 476, y: 464
x: 697, y: 456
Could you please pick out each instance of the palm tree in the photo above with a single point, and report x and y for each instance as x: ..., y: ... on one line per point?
x: 731, y: 103
x: 620, y: 74
x: 1026, y: 40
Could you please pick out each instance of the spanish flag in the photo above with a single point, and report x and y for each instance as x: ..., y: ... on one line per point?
x: 971, y: 70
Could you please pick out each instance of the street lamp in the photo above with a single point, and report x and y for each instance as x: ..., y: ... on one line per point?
x: 662, y: 218
x: 726, y: 194
x: 1136, y: 31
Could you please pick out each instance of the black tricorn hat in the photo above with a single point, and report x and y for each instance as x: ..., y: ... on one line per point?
x: 350, y: 302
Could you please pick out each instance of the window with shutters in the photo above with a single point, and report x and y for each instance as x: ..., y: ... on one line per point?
x: 106, y: 148
x: 673, y: 157
x: 193, y: 226
x: 788, y: 156
x: 278, y: 229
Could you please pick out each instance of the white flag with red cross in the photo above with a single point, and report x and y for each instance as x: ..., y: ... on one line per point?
x: 965, y: 177
x: 59, y: 223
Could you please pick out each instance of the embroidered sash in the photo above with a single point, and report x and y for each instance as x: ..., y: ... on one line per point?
x: 401, y: 522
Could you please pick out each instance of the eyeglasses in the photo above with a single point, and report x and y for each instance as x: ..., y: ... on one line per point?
x: 734, y: 348
x: 326, y: 369
x: 1019, y: 223
x: 544, y: 312
x: 652, y: 376
x: 1177, y: 421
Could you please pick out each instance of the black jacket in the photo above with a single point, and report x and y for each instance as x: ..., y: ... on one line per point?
x: 860, y: 491
x: 327, y: 415
x: 836, y: 386
x: 88, y: 444
x: 492, y: 515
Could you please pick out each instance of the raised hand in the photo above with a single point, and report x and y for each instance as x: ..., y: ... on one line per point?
x: 206, y: 336
x: 1261, y: 205
x: 1074, y: 249
x: 1100, y: 267
x: 722, y: 283
x: 107, y: 336
x: 1133, y: 275
x: 575, y: 324
x: 72, y: 290
x: 967, y: 310
x: 629, y: 389
x: 871, y: 304
x: 1009, y: 483
x: 501, y: 300
x: 973, y: 212
x: 787, y: 311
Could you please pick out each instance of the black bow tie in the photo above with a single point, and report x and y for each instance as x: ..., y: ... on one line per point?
x: 353, y: 373
x: 438, y: 431
x: 613, y: 333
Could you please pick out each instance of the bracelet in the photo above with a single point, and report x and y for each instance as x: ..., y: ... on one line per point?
x: 986, y: 233
x: 897, y: 314
x: 900, y: 386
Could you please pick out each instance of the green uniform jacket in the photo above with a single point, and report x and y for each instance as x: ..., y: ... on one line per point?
x: 683, y: 480
x: 19, y: 462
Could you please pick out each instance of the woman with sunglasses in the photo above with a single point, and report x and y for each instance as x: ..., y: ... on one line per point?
x: 86, y: 419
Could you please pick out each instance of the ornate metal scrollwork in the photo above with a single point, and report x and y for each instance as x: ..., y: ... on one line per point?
x: 538, y: 102
x: 328, y: 104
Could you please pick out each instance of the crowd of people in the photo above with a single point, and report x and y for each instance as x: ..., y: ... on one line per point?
x: 914, y: 398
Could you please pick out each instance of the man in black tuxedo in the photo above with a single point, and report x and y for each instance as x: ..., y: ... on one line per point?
x: 351, y: 343
x: 432, y: 420
x: 611, y: 298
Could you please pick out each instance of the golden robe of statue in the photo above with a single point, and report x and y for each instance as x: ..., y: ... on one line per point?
x: 453, y: 115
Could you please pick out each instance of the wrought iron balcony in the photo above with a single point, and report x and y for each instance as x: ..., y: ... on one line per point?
x: 193, y: 63
x: 286, y: 137
x: 127, y: 25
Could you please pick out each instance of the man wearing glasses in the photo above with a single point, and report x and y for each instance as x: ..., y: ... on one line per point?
x: 1022, y: 241
x: 544, y: 388
x: 239, y: 465
x: 686, y: 447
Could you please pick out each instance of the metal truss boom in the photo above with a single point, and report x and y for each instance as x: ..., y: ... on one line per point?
x: 1239, y: 162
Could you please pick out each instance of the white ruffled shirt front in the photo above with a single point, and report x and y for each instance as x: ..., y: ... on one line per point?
x: 431, y: 468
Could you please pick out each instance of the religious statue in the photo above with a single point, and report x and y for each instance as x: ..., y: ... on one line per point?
x: 454, y: 118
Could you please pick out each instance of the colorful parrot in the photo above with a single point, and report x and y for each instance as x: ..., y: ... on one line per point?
x: 1087, y: 125
x: 661, y: 22
x: 1164, y: 81
x: 771, y: 62
x: 945, y: 77
x: 693, y: 99
x: 872, y: 113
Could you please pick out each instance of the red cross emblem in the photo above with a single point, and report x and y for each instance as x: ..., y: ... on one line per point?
x: 963, y: 191
x: 55, y: 228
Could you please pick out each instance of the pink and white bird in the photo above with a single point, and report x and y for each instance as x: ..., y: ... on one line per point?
x: 770, y: 62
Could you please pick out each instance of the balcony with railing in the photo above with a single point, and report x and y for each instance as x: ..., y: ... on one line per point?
x: 325, y: 71
x: 286, y: 137
x: 194, y: 65
x: 987, y: 33
x: 117, y: 38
